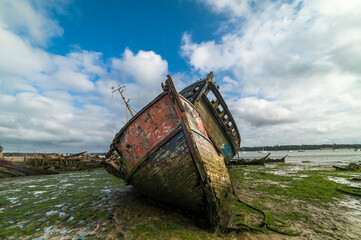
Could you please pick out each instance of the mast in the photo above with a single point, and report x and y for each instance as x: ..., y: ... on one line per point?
x: 334, y: 145
x: 120, y: 89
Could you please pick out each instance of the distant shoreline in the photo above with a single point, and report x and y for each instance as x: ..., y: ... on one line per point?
x: 297, y: 147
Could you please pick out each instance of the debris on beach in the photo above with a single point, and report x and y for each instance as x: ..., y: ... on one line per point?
x: 350, y: 167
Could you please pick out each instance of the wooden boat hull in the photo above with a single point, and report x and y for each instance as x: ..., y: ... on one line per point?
x: 165, y: 153
x: 243, y: 161
x: 16, y: 169
x: 276, y: 160
x: 217, y: 119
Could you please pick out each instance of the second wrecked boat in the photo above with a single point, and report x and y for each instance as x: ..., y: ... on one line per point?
x: 165, y: 152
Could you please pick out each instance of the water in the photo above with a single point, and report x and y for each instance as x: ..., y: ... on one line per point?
x: 316, y: 157
x: 313, y: 159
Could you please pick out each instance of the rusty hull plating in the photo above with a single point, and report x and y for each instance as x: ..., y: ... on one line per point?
x: 164, y: 151
x: 217, y: 118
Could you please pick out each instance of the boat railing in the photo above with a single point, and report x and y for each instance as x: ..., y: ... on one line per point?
x: 222, y: 113
x: 207, y: 90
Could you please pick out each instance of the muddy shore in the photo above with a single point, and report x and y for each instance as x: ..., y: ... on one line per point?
x: 300, y: 198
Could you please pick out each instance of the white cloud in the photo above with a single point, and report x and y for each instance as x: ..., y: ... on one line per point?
x: 18, y: 57
x: 63, y: 102
x: 76, y: 70
x: 298, y: 62
x: 260, y: 112
x: 145, y: 67
x: 32, y: 23
x: 144, y: 71
x: 236, y: 7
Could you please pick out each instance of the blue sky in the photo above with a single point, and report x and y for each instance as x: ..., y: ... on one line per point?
x: 289, y: 70
x: 111, y: 26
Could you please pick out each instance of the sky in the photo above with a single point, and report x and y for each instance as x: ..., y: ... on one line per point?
x: 290, y: 71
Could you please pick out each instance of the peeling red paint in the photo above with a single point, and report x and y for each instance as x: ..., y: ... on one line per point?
x: 150, y: 127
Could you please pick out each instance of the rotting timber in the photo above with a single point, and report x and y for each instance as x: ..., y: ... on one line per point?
x: 217, y: 119
x: 164, y: 152
x: 43, y: 164
x: 245, y: 161
x: 277, y: 160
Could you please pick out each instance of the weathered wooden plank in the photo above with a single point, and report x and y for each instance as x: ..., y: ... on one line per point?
x: 217, y: 183
x: 169, y: 175
x: 215, y: 131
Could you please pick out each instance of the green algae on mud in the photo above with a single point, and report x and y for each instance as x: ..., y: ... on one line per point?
x: 95, y: 205
x: 29, y: 205
x: 88, y: 205
x: 304, y: 200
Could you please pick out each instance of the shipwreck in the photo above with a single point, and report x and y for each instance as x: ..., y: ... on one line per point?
x: 168, y: 153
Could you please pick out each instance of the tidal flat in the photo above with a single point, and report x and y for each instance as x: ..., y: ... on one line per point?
x: 296, y: 200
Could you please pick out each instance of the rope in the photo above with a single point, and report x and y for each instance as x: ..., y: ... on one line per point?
x: 354, y: 190
x: 265, y: 223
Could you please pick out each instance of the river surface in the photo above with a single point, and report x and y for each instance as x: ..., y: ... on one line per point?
x: 316, y: 157
x: 44, y: 207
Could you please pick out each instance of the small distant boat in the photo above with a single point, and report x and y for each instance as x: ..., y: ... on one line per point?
x: 276, y: 160
x: 301, y: 149
x: 334, y: 146
x: 164, y: 151
x: 262, y: 151
x: 245, y: 161
x: 356, y: 149
x: 217, y: 119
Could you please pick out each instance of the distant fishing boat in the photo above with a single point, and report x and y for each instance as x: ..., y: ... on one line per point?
x: 245, y: 161
x: 301, y: 149
x: 356, y: 149
x: 334, y: 146
x: 165, y: 152
x: 217, y: 119
x: 276, y: 160
x: 262, y: 151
